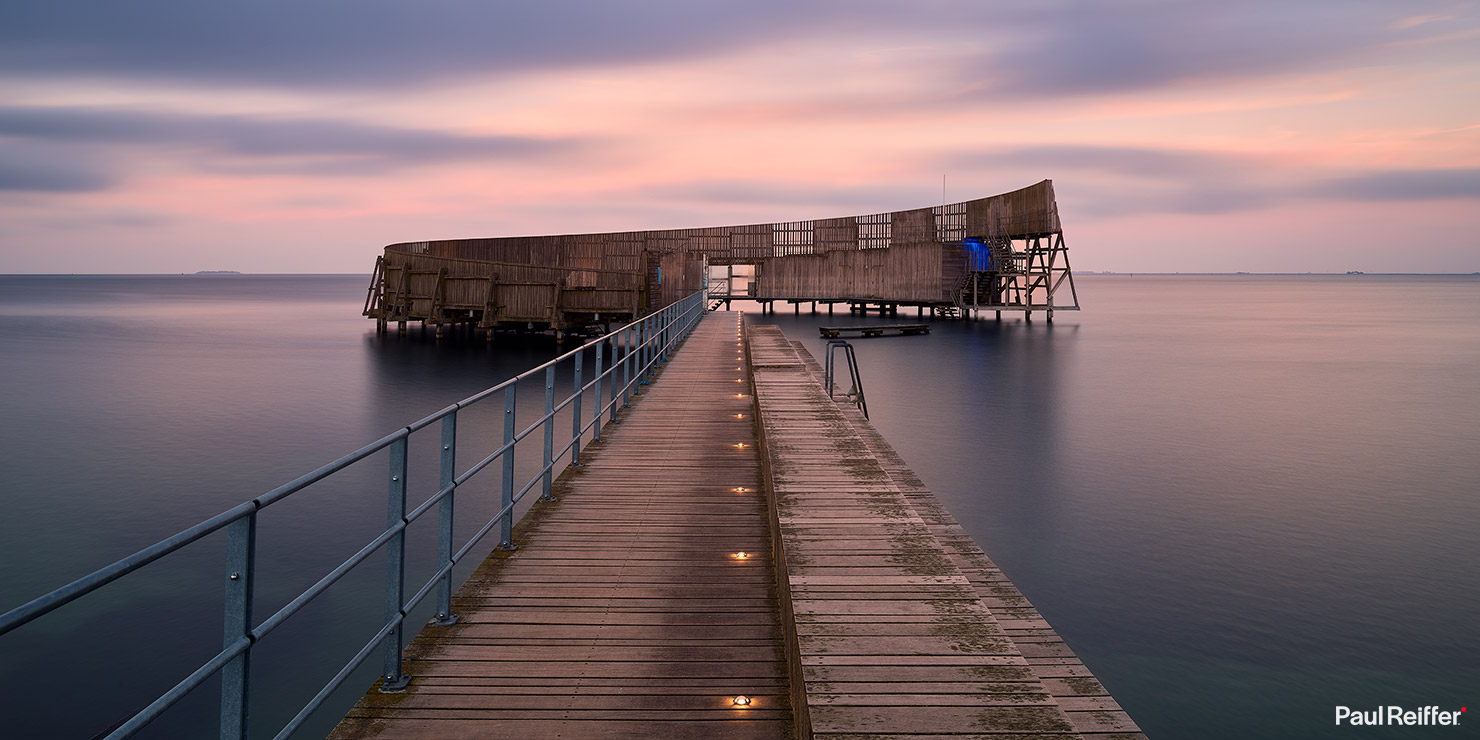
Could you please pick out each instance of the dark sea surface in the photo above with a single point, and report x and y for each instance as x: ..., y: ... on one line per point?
x: 1242, y: 500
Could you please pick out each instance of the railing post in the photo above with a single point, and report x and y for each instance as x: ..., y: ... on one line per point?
x: 548, y: 458
x: 575, y: 412
x: 596, y: 425
x: 652, y: 349
x: 626, y: 366
x: 655, y: 329
x: 640, y: 372
x: 827, y: 374
x: 241, y: 557
x: 445, y: 616
x: 666, y: 333
x: 506, y: 498
x: 395, y: 569
x: 616, y: 382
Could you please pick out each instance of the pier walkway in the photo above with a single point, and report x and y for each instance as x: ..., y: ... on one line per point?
x: 860, y: 608
x: 626, y: 612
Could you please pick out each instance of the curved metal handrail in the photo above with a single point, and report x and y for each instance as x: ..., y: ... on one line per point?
x: 636, y: 350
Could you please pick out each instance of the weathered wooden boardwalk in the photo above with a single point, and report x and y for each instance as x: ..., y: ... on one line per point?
x: 905, y: 628
x: 626, y: 612
x: 859, y: 610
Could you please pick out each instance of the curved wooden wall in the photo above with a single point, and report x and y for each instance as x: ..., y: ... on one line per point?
x: 906, y: 256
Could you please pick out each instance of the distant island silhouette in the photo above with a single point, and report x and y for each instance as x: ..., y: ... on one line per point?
x: 217, y: 272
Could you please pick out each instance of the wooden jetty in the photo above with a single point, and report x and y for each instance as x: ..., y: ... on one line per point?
x: 627, y: 611
x: 860, y: 609
x: 1005, y: 252
x: 877, y: 330
x: 904, y: 626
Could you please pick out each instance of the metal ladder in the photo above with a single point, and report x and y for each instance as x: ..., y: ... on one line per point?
x: 827, y: 374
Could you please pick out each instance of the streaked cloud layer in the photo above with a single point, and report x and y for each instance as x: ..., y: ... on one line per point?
x: 289, y: 137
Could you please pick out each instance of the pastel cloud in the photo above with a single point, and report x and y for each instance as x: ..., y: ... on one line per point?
x: 335, y: 126
x: 377, y: 45
x: 304, y: 146
x: 1106, y: 48
x: 1200, y: 182
x: 1031, y: 47
x: 30, y: 168
x: 1407, y: 185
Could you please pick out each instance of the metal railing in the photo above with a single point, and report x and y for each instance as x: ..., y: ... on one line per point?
x: 636, y: 351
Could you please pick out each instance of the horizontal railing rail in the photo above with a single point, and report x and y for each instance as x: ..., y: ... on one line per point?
x: 636, y: 349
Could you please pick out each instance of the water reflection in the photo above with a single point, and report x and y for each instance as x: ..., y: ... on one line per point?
x: 1244, y: 508
x: 136, y: 406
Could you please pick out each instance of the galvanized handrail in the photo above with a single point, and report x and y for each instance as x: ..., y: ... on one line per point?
x: 637, y: 349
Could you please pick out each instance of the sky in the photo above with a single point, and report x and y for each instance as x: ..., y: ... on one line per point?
x: 161, y: 136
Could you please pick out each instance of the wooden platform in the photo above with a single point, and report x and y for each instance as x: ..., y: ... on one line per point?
x: 905, y: 628
x: 625, y: 612
x: 832, y: 332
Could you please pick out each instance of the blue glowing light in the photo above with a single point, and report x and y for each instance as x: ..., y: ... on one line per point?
x: 981, y: 257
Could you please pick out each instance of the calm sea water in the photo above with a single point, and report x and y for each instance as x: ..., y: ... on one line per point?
x: 1242, y: 500
x: 134, y: 407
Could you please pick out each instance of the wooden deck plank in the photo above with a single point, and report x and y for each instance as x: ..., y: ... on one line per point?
x: 500, y: 728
